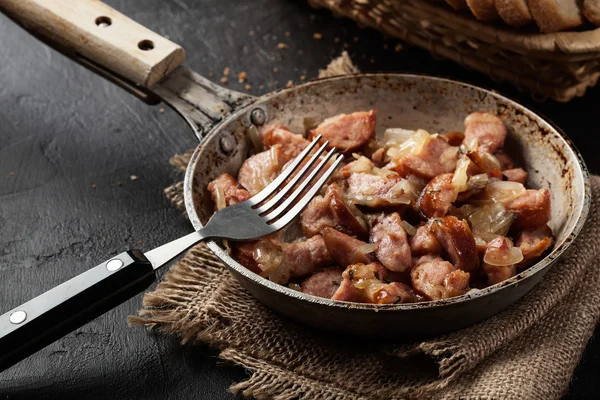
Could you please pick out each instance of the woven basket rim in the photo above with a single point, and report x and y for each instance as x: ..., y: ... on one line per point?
x: 569, y: 42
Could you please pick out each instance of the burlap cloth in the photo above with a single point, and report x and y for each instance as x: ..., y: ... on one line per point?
x: 527, y: 352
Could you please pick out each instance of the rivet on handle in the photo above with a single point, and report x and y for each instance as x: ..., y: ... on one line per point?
x: 17, y: 317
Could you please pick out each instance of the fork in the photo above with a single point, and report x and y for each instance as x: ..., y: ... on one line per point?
x: 44, y: 319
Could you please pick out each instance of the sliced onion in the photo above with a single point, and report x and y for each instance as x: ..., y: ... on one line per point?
x: 397, y: 135
x: 470, y: 144
x: 503, y: 191
x: 361, y: 164
x: 295, y: 286
x: 460, y: 177
x: 490, y: 162
x: 504, y: 257
x: 479, y: 181
x: 413, y: 145
x: 410, y: 230
x: 220, y: 198
x: 487, y: 221
x: 268, y: 257
x: 255, y: 138
x: 367, y: 248
x: 402, y: 193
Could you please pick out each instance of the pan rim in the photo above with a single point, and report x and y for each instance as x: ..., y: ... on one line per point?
x: 546, y: 262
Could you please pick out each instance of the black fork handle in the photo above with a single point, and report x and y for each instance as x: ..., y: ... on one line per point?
x: 55, y: 313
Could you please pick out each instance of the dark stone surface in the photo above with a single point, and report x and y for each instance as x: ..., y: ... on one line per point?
x: 63, y: 129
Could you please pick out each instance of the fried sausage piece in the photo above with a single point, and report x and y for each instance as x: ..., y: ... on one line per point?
x: 344, y: 249
x: 534, y: 243
x: 347, y: 132
x: 292, y: 144
x: 361, y: 284
x: 437, y: 197
x: 231, y: 191
x: 532, y: 208
x: 323, y: 283
x: 393, y: 250
x: 499, y: 248
x: 437, y: 279
x: 435, y: 158
x: 457, y: 241
x: 261, y: 169
x: 487, y: 129
x: 424, y: 243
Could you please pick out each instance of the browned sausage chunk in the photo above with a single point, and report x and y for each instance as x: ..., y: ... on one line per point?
x: 532, y: 208
x: 226, y: 191
x: 307, y: 256
x: 458, y: 242
x: 438, y: 279
x: 347, y: 132
x: 424, y: 243
x: 361, y: 284
x: 261, y: 169
x: 499, y: 248
x: 534, y: 243
x: 291, y: 143
x: 435, y: 158
x: 487, y: 129
x: 323, y: 283
x: 437, y: 197
x: 515, y: 175
x: 393, y: 250
x: 317, y: 216
x: 349, y: 218
x: 346, y: 250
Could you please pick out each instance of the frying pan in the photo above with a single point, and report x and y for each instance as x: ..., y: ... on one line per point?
x: 150, y: 67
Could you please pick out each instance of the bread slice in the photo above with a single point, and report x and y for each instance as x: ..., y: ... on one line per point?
x: 514, y: 12
x: 591, y: 11
x: 457, y: 4
x: 484, y: 10
x: 555, y: 15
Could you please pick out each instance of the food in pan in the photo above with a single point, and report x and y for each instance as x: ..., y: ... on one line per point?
x: 412, y: 217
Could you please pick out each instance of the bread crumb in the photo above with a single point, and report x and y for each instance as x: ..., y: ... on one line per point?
x: 226, y: 71
x: 275, y: 69
x: 140, y: 241
x: 289, y: 84
x: 93, y: 186
x: 356, y: 38
x: 12, y: 174
x: 210, y: 74
x: 337, y: 39
x: 261, y: 87
x: 302, y: 77
x: 282, y: 46
x: 318, y: 35
x: 398, y: 47
x: 224, y: 80
x: 248, y: 87
x: 133, y: 177
x: 161, y: 110
x: 118, y: 183
x: 242, y: 77
x: 287, y: 33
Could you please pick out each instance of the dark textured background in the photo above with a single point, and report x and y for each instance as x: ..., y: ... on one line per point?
x: 63, y: 129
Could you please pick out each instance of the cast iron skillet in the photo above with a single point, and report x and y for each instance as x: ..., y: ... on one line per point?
x: 224, y: 120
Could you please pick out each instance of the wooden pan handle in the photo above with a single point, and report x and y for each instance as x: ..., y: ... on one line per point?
x: 100, y: 34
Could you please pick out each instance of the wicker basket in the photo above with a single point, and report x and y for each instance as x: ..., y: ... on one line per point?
x: 560, y: 65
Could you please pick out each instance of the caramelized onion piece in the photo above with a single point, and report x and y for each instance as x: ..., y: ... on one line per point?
x: 510, y: 256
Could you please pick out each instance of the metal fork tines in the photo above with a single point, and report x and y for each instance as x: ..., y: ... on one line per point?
x: 280, y: 202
